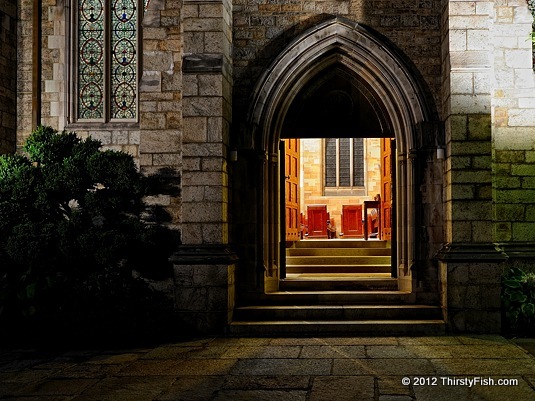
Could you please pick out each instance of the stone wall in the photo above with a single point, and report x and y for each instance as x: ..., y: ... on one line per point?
x: 24, y: 71
x: 489, y: 119
x: 159, y: 135
x: 8, y: 72
x: 263, y: 28
x: 513, y: 118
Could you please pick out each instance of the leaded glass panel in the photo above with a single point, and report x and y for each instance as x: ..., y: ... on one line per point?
x: 123, y: 60
x: 330, y: 162
x: 345, y: 163
x: 91, y: 60
x: 358, y: 165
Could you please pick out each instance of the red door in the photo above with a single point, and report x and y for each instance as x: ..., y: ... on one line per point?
x: 291, y: 182
x: 317, y: 221
x: 386, y: 188
x: 352, y: 221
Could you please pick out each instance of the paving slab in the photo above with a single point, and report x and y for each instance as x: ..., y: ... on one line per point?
x: 474, y: 368
x: 288, y: 367
x: 260, y: 395
x: 193, y: 388
x: 267, y: 382
x: 343, y: 388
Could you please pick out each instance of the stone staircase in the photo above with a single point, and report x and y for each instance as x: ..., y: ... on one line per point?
x: 337, y: 287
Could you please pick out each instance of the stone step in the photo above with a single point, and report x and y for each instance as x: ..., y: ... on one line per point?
x: 340, y: 243
x: 336, y: 298
x: 338, y: 252
x: 336, y: 312
x: 338, y: 268
x: 337, y: 260
x: 323, y: 283
x: 301, y: 328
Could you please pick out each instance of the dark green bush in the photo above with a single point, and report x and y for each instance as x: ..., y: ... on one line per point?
x: 518, y: 296
x: 72, y: 243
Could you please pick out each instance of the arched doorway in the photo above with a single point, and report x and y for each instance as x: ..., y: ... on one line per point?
x: 386, y: 89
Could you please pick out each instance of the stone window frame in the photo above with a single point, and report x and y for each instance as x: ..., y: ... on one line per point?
x: 351, y: 190
x: 72, y: 73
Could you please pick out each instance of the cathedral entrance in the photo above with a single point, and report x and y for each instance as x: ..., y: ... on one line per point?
x: 337, y: 123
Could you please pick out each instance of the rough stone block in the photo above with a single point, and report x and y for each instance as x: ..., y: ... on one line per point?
x: 160, y: 141
x: 460, y: 231
x: 510, y: 156
x: 167, y: 159
x: 212, y: 164
x: 480, y: 104
x: 194, y: 42
x: 523, y: 231
x: 482, y: 162
x: 206, y: 178
x: 199, y: 106
x: 469, y: 22
x: 214, y: 42
x: 157, y: 61
x: 462, y: 192
x: 518, y: 58
x: 205, y: 212
x: 215, y: 129
x: 479, y: 127
x: 210, y: 85
x: 471, y: 148
x: 461, y: 83
x: 482, y: 231
x: 203, y: 149
x: 525, y: 170
x: 191, y: 233
x: 528, y: 182
x: 519, y: 138
x: 202, y: 24
x: 195, y: 129
x: 462, y: 8
x: 515, y: 196
x: 522, y: 118
x: 507, y: 182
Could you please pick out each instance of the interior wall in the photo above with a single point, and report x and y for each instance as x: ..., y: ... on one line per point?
x: 312, y: 167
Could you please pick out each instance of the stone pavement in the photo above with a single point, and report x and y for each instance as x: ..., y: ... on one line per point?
x: 273, y: 369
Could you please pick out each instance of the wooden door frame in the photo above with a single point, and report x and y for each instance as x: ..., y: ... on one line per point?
x: 282, y: 208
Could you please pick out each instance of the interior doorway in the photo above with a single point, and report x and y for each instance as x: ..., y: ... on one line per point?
x: 339, y: 190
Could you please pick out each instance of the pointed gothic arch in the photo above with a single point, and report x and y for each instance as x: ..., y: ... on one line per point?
x: 388, y: 84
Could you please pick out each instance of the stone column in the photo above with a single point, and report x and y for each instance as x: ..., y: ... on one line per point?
x: 8, y: 74
x: 206, y: 116
x: 470, y: 263
x: 160, y: 134
x: 204, y: 279
x: 204, y: 285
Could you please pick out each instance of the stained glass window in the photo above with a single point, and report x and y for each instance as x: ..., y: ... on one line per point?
x: 91, y: 60
x: 344, y: 162
x: 107, y: 62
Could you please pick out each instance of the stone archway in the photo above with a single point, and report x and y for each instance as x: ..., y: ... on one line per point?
x: 389, y: 85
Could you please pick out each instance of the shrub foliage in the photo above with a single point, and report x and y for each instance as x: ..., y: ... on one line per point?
x: 72, y: 243
x: 518, y: 295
